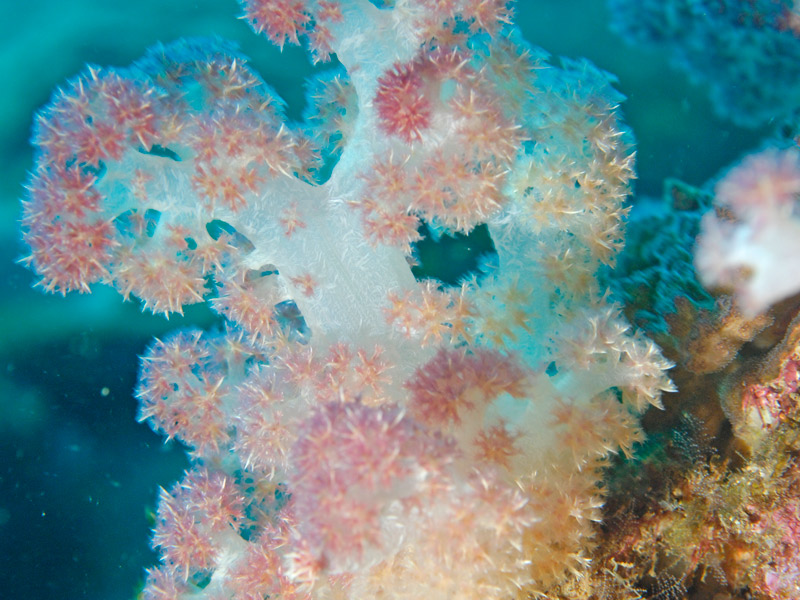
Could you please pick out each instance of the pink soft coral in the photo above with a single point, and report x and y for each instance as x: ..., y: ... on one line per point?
x: 752, y: 243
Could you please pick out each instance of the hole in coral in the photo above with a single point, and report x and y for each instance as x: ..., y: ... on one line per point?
x: 151, y: 219
x: 201, y: 579
x: 451, y: 259
x: 156, y: 150
x: 126, y: 223
x: 292, y: 322
x: 217, y: 228
x: 264, y: 271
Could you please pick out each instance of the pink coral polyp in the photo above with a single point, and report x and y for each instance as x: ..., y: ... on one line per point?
x: 403, y: 107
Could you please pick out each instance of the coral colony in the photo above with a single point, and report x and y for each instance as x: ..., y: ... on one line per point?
x: 355, y: 432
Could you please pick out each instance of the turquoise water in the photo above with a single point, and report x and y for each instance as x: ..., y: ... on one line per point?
x: 78, y: 475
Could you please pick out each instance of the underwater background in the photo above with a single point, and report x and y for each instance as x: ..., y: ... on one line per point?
x: 78, y: 475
